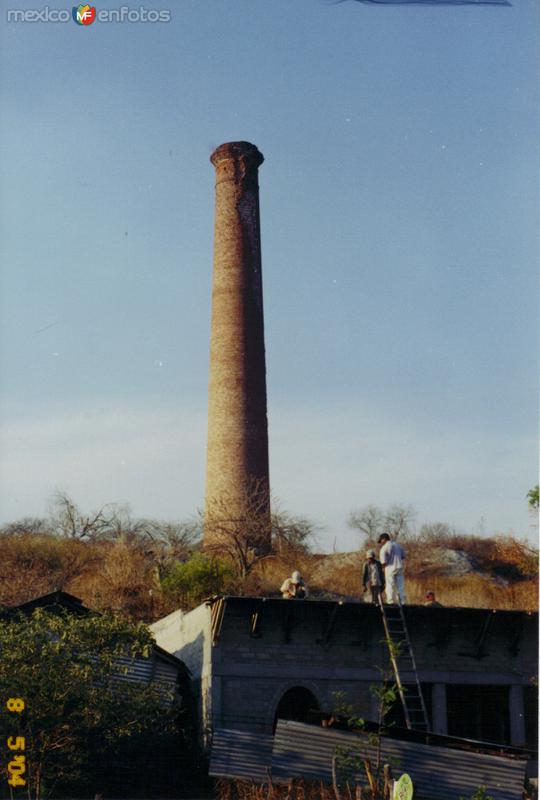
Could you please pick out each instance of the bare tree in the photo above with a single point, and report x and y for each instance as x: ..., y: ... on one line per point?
x: 67, y: 519
x: 369, y: 520
x: 167, y: 542
x: 291, y: 534
x: 243, y: 538
x: 436, y: 531
x: 26, y: 525
x: 397, y: 520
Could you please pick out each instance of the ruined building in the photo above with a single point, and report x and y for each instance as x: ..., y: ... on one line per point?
x: 237, y: 479
x: 271, y: 674
x: 255, y: 660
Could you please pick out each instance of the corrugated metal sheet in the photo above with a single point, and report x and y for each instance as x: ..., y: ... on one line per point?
x: 139, y: 669
x: 438, y: 773
x: 153, y: 670
x: 240, y: 754
x: 146, y: 670
x: 164, y: 672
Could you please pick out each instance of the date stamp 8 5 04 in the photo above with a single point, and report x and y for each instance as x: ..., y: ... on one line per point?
x: 16, y: 745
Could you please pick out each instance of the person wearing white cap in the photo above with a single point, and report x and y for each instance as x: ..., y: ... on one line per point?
x: 294, y: 588
x: 372, y: 578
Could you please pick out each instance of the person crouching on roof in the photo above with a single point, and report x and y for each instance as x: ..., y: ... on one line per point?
x: 294, y: 588
x: 372, y: 578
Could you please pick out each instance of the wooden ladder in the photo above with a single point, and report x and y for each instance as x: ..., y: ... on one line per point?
x: 402, y: 659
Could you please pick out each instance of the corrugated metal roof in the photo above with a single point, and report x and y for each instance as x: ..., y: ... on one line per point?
x: 240, y: 754
x: 438, y: 773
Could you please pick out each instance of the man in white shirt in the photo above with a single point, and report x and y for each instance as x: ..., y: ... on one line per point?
x: 392, y: 556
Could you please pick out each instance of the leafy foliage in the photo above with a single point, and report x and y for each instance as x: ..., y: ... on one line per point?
x: 347, y: 763
x: 190, y: 582
x: 534, y: 498
x: 78, y: 708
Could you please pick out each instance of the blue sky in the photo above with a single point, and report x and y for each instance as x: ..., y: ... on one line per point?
x: 399, y: 203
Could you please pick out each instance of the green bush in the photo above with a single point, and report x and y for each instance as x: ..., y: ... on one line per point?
x: 190, y: 582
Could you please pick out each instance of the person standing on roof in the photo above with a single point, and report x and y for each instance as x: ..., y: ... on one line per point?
x: 392, y: 556
x: 372, y: 578
x: 294, y: 588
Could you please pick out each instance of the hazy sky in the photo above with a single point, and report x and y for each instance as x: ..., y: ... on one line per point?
x: 399, y: 203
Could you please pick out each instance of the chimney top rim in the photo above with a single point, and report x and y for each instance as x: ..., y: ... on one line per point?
x: 235, y: 151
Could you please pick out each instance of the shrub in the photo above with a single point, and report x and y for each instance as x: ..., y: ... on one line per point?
x: 72, y: 704
x: 190, y: 582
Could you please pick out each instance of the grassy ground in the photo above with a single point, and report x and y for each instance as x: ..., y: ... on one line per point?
x: 502, y: 573
x: 125, y: 574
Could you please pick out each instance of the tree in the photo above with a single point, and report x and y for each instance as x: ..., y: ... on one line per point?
x: 255, y: 535
x: 291, y: 535
x: 436, y: 532
x: 67, y: 520
x: 397, y: 520
x: 34, y: 525
x: 533, y: 498
x: 369, y: 520
x: 166, y: 543
x: 239, y: 530
x: 78, y: 707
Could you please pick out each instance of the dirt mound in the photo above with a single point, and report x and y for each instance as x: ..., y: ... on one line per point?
x: 327, y: 566
x: 431, y: 560
x: 444, y: 562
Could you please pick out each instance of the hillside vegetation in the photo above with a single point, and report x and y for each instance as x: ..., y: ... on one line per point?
x: 146, y: 569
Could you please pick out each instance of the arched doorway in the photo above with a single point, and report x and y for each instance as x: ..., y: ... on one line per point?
x: 296, y: 705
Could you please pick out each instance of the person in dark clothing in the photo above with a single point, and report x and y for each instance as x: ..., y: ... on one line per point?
x: 430, y: 600
x: 372, y: 578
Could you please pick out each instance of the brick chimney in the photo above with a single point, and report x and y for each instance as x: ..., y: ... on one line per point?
x: 237, y: 477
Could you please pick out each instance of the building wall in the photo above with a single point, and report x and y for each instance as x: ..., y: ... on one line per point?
x: 190, y: 634
x: 264, y: 648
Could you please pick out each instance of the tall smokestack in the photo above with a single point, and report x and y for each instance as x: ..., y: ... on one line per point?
x: 237, y: 477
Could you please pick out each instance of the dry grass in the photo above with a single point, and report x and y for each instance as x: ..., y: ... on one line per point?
x: 500, y: 556
x: 122, y: 579
x: 33, y: 564
x: 269, y: 574
x: 123, y: 574
x: 472, y: 590
x: 234, y: 789
x: 475, y: 591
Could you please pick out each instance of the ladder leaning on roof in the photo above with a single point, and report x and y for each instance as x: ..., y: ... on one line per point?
x: 402, y: 659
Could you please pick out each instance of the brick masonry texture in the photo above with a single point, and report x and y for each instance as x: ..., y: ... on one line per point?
x: 237, y: 449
